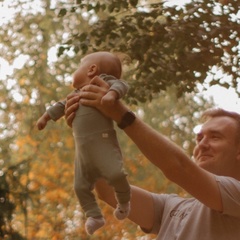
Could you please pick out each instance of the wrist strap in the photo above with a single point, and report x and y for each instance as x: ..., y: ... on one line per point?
x: 127, y: 119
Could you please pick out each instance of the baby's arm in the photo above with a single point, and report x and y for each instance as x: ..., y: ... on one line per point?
x: 42, y: 121
x: 54, y: 112
x: 118, y: 88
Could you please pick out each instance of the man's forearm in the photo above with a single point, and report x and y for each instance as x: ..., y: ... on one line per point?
x: 165, y: 154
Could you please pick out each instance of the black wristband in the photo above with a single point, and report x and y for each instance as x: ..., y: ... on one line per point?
x: 127, y: 119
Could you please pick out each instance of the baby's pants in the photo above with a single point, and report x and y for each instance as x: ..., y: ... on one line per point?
x: 99, y: 155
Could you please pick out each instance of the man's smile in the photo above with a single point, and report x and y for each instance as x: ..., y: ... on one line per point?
x: 203, y: 157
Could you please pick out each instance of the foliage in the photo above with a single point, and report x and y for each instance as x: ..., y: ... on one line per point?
x: 35, y: 183
x: 6, y: 211
x: 167, y: 45
x: 37, y: 167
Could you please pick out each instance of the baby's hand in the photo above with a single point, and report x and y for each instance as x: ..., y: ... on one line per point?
x: 42, y: 121
x: 109, y: 99
x: 41, y: 124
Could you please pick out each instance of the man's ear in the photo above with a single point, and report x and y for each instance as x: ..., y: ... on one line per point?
x: 92, y: 70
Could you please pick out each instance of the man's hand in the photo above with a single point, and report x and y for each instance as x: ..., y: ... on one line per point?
x: 71, y: 107
x: 90, y: 95
x: 93, y: 93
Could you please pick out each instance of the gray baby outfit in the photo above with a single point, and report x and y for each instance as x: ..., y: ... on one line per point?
x: 97, y: 151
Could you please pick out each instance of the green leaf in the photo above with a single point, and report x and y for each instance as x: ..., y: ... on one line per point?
x: 133, y: 2
x: 60, y: 51
x: 62, y: 12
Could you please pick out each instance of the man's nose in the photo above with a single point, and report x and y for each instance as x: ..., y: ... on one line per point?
x: 204, y: 143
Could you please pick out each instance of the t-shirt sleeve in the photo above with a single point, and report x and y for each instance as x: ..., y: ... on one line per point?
x: 159, y: 202
x: 230, y: 192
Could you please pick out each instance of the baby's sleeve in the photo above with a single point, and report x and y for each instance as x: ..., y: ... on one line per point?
x: 57, y: 110
x: 117, y: 85
x: 120, y: 86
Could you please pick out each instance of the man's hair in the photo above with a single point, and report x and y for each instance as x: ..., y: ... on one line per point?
x: 219, y: 112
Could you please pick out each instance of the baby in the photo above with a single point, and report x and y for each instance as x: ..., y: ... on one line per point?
x: 96, y: 145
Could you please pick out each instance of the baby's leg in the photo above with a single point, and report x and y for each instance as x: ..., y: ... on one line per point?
x: 83, y: 186
x: 122, y: 194
x: 110, y: 165
x: 107, y: 158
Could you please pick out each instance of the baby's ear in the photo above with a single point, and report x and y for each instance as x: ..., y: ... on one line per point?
x: 92, y: 70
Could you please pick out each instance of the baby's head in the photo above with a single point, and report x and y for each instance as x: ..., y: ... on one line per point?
x: 95, y: 64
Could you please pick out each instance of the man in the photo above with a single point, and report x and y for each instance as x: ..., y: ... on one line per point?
x: 213, y: 212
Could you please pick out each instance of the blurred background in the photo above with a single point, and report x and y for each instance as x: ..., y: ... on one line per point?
x: 179, y: 59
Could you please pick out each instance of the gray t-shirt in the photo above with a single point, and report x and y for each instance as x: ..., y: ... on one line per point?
x: 179, y: 218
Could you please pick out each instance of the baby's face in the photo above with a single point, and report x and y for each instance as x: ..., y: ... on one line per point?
x: 80, y: 76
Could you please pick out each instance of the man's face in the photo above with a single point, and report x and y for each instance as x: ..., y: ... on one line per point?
x: 217, y: 149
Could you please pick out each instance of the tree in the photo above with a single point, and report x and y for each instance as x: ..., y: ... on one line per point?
x: 6, y: 211
x: 35, y: 186
x: 7, y: 203
x: 40, y: 165
x: 168, y: 45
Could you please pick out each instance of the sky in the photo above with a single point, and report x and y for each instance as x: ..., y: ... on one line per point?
x: 225, y: 98
x: 222, y: 97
